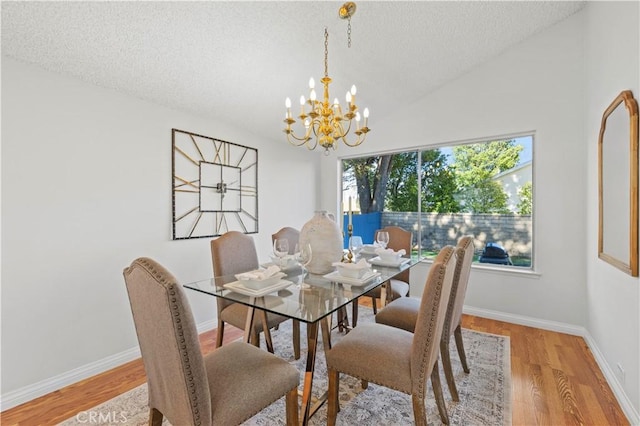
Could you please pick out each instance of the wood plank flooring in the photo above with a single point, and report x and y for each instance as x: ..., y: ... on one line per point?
x: 555, y: 381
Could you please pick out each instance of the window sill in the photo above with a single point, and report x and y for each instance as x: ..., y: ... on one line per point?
x: 493, y: 269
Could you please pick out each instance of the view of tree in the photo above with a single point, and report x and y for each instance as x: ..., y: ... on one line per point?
x: 371, y: 175
x: 437, y: 178
x: 475, y: 165
x: 526, y: 198
x: 402, y: 189
x: 438, y: 183
x: 464, y: 184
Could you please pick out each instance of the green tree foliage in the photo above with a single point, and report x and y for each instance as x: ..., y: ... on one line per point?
x: 476, y: 164
x: 526, y: 198
x: 438, y: 183
x: 402, y: 189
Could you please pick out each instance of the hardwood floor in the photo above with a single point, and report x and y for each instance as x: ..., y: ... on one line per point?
x: 554, y: 377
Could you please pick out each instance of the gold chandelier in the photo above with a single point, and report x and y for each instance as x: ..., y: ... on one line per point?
x: 324, y: 122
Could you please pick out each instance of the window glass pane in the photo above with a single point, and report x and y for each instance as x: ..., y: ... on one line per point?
x: 483, y: 189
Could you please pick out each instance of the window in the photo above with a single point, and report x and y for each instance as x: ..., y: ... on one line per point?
x: 483, y: 189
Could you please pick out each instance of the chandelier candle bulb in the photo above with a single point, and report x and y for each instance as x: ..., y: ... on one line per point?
x: 287, y: 103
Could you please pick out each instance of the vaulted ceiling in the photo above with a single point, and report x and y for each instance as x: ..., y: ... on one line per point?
x: 238, y: 61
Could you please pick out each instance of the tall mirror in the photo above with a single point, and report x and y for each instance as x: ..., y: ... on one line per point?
x: 618, y: 184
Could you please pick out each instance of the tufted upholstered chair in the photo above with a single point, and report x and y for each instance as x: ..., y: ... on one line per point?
x: 291, y: 234
x: 398, y: 239
x: 186, y: 387
x: 403, y: 313
x: 396, y: 358
x: 234, y: 253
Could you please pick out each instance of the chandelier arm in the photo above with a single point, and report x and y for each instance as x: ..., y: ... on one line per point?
x: 306, y: 142
x: 296, y: 139
x: 357, y: 142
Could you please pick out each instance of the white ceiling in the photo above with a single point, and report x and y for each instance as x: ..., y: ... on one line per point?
x: 238, y: 61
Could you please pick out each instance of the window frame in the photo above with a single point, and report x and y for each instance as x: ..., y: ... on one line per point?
x: 507, y: 269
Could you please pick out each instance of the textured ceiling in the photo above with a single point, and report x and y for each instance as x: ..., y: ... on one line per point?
x: 238, y: 61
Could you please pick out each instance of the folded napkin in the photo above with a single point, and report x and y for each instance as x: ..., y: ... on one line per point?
x: 390, y: 252
x: 259, y: 274
x: 360, y: 265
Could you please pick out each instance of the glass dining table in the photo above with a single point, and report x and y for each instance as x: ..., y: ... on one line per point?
x: 308, y: 298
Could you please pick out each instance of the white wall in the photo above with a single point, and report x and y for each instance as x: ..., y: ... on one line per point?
x: 556, y: 84
x: 613, y: 298
x: 86, y: 188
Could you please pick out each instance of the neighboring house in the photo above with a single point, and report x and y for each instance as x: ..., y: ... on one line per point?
x: 512, y: 180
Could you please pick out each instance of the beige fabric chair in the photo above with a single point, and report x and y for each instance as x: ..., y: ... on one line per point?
x: 233, y: 253
x: 291, y: 234
x: 184, y: 386
x: 398, y: 239
x: 396, y: 358
x: 403, y: 313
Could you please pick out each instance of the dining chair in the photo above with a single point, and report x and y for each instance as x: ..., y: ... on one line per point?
x: 403, y: 313
x: 396, y: 358
x: 234, y: 253
x: 186, y: 387
x: 399, y: 239
x: 290, y: 234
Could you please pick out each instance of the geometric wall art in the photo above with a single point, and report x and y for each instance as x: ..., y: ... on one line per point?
x: 215, y: 186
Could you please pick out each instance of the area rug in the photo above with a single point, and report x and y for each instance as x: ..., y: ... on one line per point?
x: 485, y: 393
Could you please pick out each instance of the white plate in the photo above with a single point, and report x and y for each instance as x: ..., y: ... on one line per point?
x: 379, y: 262
x: 335, y: 276
x: 238, y: 287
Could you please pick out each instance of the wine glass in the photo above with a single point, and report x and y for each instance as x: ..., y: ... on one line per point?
x: 355, y: 245
x: 303, y: 256
x: 281, y: 249
x: 382, y: 239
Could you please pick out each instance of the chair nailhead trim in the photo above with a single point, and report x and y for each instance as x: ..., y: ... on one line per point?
x: 161, y: 277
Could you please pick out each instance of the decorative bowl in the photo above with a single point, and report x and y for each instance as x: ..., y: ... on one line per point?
x: 353, y: 270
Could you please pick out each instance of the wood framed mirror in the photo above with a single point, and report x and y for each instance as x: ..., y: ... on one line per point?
x: 618, y: 184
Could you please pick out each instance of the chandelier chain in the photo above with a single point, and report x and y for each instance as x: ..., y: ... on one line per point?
x: 326, y: 52
x: 349, y: 33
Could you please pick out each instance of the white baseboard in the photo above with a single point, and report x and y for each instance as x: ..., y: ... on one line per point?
x: 612, y: 379
x: 607, y: 371
x: 30, y: 392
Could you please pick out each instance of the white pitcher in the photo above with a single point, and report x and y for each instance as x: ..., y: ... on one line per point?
x: 325, y: 237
